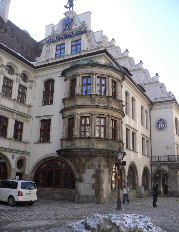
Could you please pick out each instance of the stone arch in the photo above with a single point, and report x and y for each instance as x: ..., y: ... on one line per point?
x: 44, y: 166
x: 146, y: 179
x: 20, y: 167
x: 14, y: 66
x: 5, y: 167
x: 132, y: 177
x: 160, y: 176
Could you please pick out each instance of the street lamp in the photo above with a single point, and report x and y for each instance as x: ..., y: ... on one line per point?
x: 120, y: 156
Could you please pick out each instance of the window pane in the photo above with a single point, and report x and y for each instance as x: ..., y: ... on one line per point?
x: 60, y: 50
x: 3, y: 126
x: 86, y: 85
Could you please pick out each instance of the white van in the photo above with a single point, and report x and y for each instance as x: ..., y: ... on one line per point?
x: 14, y: 191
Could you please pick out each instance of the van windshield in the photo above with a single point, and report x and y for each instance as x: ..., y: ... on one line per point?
x: 28, y: 185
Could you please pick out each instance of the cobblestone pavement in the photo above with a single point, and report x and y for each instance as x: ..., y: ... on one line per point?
x: 53, y: 216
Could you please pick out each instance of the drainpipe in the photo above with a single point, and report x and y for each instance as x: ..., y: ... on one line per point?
x: 151, y: 154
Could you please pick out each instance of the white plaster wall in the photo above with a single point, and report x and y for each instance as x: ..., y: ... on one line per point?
x: 163, y: 142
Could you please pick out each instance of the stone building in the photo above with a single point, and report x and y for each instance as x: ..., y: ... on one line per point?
x: 69, y: 102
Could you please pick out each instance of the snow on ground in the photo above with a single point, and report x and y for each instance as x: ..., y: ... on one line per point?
x: 116, y: 223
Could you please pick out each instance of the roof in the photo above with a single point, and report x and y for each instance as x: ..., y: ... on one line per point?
x: 19, y: 41
x: 92, y: 63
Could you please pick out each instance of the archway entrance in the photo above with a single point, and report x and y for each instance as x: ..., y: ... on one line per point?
x: 145, y: 179
x: 161, y: 177
x: 132, y: 178
x: 55, y: 174
x: 3, y: 168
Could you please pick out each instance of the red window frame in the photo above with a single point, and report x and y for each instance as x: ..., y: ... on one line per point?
x: 3, y: 126
x: 45, y: 130
x: 48, y: 92
x: 18, y: 130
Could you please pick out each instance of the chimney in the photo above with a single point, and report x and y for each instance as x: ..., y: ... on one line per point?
x: 4, y: 9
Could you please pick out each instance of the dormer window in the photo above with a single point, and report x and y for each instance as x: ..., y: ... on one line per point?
x: 60, y: 50
x: 10, y: 70
x: 76, y: 46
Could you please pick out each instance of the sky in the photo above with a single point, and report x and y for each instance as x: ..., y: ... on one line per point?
x: 149, y: 29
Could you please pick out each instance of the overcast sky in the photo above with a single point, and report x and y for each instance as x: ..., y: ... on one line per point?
x: 149, y: 29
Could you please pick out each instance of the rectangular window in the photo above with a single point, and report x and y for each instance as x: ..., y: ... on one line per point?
x: 142, y: 115
x: 143, y: 146
x: 127, y: 138
x: 76, y: 46
x: 18, y: 130
x: 148, y: 147
x: 3, y: 126
x: 86, y: 85
x: 60, y: 50
x: 48, y: 93
x: 45, y: 130
x: 146, y: 119
x: 114, y: 129
x: 126, y: 103
x: 85, y: 126
x: 7, y: 87
x: 133, y: 108
x: 72, y: 87
x: 101, y: 127
x: 133, y: 141
x: 70, y: 127
x: 101, y: 86
x: 22, y: 94
x: 114, y: 89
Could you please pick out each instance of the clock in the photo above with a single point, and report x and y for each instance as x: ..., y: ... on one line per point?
x: 161, y: 124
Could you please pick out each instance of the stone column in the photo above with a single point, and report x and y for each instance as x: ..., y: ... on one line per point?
x: 100, y: 182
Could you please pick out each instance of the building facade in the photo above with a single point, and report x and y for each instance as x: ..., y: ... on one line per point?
x: 69, y: 102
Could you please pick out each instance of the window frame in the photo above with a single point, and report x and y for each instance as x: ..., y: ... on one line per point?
x: 3, y: 126
x: 7, y: 87
x: 72, y: 87
x: 114, y: 129
x: 75, y: 46
x: 18, y: 130
x: 71, y: 125
x: 86, y: 86
x: 60, y: 52
x: 45, y: 130
x: 100, y: 128
x: 100, y: 86
x: 22, y: 93
x: 48, y: 92
x: 85, y: 126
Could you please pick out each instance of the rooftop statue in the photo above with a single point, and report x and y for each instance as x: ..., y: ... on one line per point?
x: 69, y: 5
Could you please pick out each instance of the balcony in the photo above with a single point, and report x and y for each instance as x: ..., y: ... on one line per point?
x: 165, y: 159
x: 93, y: 100
x: 90, y: 143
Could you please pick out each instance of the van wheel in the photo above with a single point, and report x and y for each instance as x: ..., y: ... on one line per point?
x: 11, y: 201
x: 30, y: 203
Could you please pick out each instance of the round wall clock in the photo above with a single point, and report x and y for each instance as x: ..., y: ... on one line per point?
x: 161, y: 124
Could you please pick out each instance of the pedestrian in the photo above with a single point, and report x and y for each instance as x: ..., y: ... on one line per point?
x: 125, y: 192
x: 155, y: 194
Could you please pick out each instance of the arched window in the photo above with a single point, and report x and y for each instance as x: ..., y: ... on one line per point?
x: 55, y: 174
x: 132, y: 178
x: 10, y: 70
x: 145, y: 179
x: 48, y: 93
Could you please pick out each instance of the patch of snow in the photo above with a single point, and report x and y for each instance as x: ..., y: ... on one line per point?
x: 114, y: 222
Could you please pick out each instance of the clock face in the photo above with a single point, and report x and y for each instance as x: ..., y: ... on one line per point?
x: 161, y: 124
